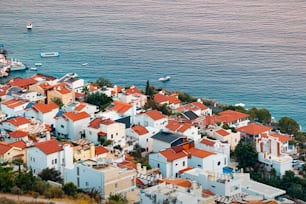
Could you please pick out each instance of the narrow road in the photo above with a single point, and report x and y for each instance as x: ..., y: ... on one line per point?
x: 31, y: 199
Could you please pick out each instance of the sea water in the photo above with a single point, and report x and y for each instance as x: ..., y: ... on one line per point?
x: 238, y: 51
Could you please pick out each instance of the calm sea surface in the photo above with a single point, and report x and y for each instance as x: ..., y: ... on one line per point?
x: 238, y: 51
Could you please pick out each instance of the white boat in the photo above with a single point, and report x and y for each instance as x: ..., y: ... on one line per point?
x: 29, y: 26
x: 49, y: 54
x: 33, y: 68
x: 16, y: 65
x: 84, y: 64
x: 164, y: 79
x: 38, y: 64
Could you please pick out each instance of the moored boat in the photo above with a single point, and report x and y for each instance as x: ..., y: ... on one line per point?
x: 49, y: 54
x: 29, y: 26
x: 164, y: 79
x: 33, y: 68
x: 38, y: 64
x: 16, y: 65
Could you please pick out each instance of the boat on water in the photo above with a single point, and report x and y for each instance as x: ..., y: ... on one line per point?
x: 38, y: 64
x: 49, y: 54
x: 29, y: 26
x: 16, y: 65
x: 33, y: 68
x: 164, y: 79
x: 84, y: 64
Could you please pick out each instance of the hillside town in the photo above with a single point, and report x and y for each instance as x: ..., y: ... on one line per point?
x: 128, y: 147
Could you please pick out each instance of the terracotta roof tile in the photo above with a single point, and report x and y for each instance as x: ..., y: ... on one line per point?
x: 254, y: 129
x: 199, y: 105
x: 22, y: 82
x: 100, y: 150
x: 3, y: 91
x: 171, y: 155
x: 76, y: 116
x: 18, y: 121
x: 155, y: 114
x: 95, y: 123
x: 223, y: 132
x: 80, y: 107
x: 199, y: 152
x: 186, y: 169
x: 281, y: 138
x: 63, y: 90
x: 49, y: 147
x: 140, y: 130
x: 120, y: 107
x: 179, y: 182
x: 18, y: 134
x: 133, y: 90
x: 13, y: 103
x: 20, y: 144
x: 173, y: 125
x: 45, y: 108
x: 231, y: 116
x: 4, y: 148
x: 207, y: 142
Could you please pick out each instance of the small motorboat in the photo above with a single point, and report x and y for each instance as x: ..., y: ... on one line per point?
x: 29, y: 26
x: 49, y: 54
x: 84, y: 64
x: 38, y: 64
x: 33, y: 68
x: 164, y: 79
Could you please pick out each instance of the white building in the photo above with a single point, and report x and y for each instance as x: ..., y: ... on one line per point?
x: 142, y: 135
x: 224, y: 136
x: 17, y: 123
x: 43, y: 112
x: 169, y: 161
x: 71, y: 125
x: 105, y: 129
x: 81, y: 107
x: 105, y: 178
x: 13, y: 107
x: 152, y: 118
x: 49, y: 154
x: 185, y: 129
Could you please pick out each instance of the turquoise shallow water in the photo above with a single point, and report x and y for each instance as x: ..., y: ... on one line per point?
x: 240, y: 51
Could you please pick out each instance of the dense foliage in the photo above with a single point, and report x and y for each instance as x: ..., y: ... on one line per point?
x: 246, y: 155
x: 99, y: 99
x: 288, y: 125
x: 102, y: 82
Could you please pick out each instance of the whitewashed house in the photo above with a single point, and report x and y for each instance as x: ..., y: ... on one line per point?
x: 71, y: 125
x: 49, y: 154
x: 206, y: 160
x: 16, y: 123
x: 224, y: 136
x: 107, y: 179
x: 142, y: 136
x: 186, y: 129
x: 105, y: 129
x: 215, y: 146
x: 81, y: 107
x: 169, y: 161
x: 14, y: 107
x: 43, y: 112
x: 152, y: 118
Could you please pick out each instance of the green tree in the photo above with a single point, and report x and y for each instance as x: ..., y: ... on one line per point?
x: 288, y: 125
x: 25, y: 181
x: 246, y: 155
x: 6, y: 179
x: 58, y: 102
x: 253, y: 112
x: 117, y: 198
x: 50, y: 174
x: 148, y: 90
x: 264, y: 116
x: 184, y: 97
x: 70, y: 189
x: 101, y: 82
x: 99, y: 99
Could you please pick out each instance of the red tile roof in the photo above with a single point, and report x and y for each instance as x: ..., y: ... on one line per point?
x: 45, y: 108
x: 18, y: 121
x: 281, y: 138
x: 22, y: 82
x: 13, y: 103
x: 49, y: 147
x: 254, y: 129
x: 76, y: 116
x: 140, y: 130
x: 3, y: 91
x: 95, y: 123
x: 20, y: 144
x: 18, y: 134
x: 199, y: 152
x: 179, y: 182
x: 80, y: 107
x: 155, y: 114
x: 161, y: 98
x: 222, y: 132
x: 100, y: 150
x: 63, y: 90
x: 199, y: 105
x: 173, y: 125
x: 171, y: 155
x: 133, y: 90
x: 186, y: 169
x: 120, y: 107
x: 207, y: 142
x: 4, y: 148
x: 231, y: 116
x: 107, y: 122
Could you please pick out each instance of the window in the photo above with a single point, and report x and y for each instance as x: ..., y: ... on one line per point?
x: 62, y: 126
x: 112, y: 136
x: 183, y: 163
x: 78, y: 182
x: 78, y: 171
x: 86, y: 183
x: 158, y: 165
x: 147, y: 139
x: 219, y: 163
x: 116, y: 185
x: 55, y: 161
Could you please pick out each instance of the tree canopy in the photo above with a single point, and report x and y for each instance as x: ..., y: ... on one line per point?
x: 99, y: 99
x: 246, y: 155
x: 288, y: 125
x: 50, y: 174
x: 101, y: 82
